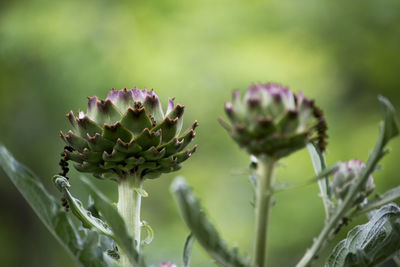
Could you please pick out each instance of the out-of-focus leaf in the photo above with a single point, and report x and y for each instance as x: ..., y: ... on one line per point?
x: 116, y: 223
x: 388, y: 130
x: 80, y: 245
x: 390, y: 126
x: 202, y: 228
x: 379, y: 200
x: 150, y: 233
x: 321, y: 176
x: 79, y: 211
x: 372, y: 243
x: 318, y: 161
x: 187, y: 250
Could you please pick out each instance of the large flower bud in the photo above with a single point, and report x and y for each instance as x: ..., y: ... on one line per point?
x: 128, y: 133
x: 270, y: 120
x: 345, y: 176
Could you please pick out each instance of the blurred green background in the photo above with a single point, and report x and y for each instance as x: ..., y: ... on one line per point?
x: 54, y: 54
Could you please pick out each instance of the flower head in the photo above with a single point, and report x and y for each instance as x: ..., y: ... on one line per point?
x: 345, y: 176
x: 269, y: 119
x: 127, y: 133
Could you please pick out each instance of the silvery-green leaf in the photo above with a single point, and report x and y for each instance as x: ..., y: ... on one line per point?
x: 201, y: 228
x: 80, y: 246
x: 372, y: 243
x: 79, y: 211
x: 391, y: 126
x: 187, y: 250
x: 116, y: 223
x: 379, y: 200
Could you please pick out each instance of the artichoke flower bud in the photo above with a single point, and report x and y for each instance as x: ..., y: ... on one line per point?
x: 345, y: 176
x: 128, y: 133
x: 271, y: 120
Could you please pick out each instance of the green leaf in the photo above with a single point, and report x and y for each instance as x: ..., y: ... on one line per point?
x: 318, y: 161
x: 116, y: 223
x: 202, y: 228
x: 321, y: 176
x: 187, y: 250
x: 390, y: 126
x: 150, y: 233
x: 78, y: 244
x: 388, y: 130
x: 379, y: 200
x: 372, y: 243
x: 85, y: 216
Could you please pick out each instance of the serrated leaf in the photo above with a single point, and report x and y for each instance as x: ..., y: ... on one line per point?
x: 187, y: 250
x: 79, y: 245
x: 372, y: 243
x: 116, y: 223
x: 202, y: 228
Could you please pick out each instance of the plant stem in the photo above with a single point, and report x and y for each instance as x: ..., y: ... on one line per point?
x: 265, y: 172
x: 345, y: 206
x: 129, y: 202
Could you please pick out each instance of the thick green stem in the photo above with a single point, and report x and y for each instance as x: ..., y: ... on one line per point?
x: 265, y: 173
x: 129, y: 201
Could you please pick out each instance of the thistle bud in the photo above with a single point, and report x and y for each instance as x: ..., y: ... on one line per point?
x: 128, y: 133
x: 345, y: 176
x: 270, y: 120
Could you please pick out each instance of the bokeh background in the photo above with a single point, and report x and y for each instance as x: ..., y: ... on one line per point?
x: 53, y: 54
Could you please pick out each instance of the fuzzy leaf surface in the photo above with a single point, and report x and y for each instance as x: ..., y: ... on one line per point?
x: 372, y: 243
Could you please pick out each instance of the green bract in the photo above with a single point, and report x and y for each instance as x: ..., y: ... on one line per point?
x: 128, y: 133
x: 271, y: 120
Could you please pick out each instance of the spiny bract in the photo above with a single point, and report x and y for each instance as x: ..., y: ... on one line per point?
x: 128, y: 133
x: 271, y: 120
x: 345, y: 176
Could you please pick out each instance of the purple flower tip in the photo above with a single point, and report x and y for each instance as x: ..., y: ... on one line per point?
x: 168, y: 264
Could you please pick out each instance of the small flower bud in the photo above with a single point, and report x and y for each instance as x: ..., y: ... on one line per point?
x: 345, y: 176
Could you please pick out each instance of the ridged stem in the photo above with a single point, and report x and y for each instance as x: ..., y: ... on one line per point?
x: 129, y: 202
x: 265, y: 173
